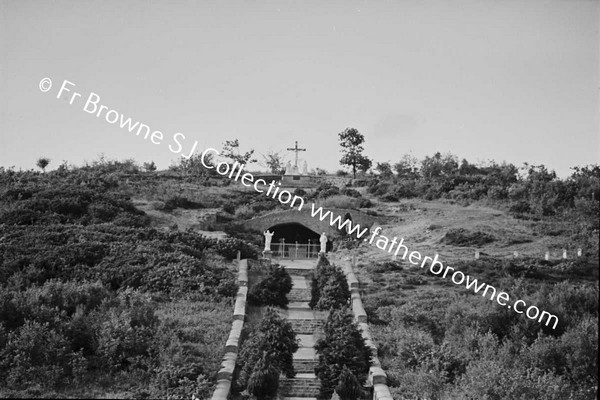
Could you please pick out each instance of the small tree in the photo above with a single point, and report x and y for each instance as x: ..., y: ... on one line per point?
x: 274, y: 337
x: 329, y: 287
x: 149, y: 166
x: 274, y: 161
x: 193, y: 166
x: 273, y: 289
x: 407, y: 167
x: 351, y: 141
x: 264, y: 380
x: 348, y: 387
x: 342, y: 347
x: 42, y: 163
x: 231, y: 150
x: 385, y: 170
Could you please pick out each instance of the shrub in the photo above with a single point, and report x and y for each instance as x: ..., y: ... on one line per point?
x: 464, y: 238
x: 244, y: 212
x: 275, y: 342
x: 126, y: 337
x: 351, y: 193
x: 37, y: 355
x: 229, y: 247
x: 340, y: 201
x: 273, y: 289
x: 181, y: 202
x: 264, y: 380
x: 329, y: 287
x: 348, y: 387
x: 300, y: 192
x: 229, y: 207
x: 342, y: 346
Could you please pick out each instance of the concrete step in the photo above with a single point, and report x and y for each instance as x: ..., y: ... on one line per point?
x: 299, y: 295
x: 299, y: 282
x: 299, y: 398
x: 299, y: 304
x: 300, y: 271
x: 304, y: 366
x: 303, y: 386
x: 306, y: 326
x: 305, y: 353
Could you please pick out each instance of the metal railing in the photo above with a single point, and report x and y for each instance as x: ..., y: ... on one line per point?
x: 296, y: 251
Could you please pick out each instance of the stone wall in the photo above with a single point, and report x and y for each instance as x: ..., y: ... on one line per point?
x: 377, y: 376
x: 339, y: 181
x: 304, y: 218
x: 225, y: 374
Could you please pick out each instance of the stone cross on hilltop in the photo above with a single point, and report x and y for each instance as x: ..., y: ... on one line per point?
x: 296, y: 150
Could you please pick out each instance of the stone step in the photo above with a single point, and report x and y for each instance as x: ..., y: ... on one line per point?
x: 299, y: 295
x: 299, y: 398
x: 304, y: 366
x: 305, y: 353
x: 300, y: 271
x: 300, y: 313
x: 299, y: 282
x: 303, y: 385
x: 306, y: 326
x: 299, y: 304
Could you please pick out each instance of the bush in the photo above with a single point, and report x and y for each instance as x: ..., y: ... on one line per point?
x: 300, y: 192
x: 181, y: 202
x: 351, y: 193
x: 274, y: 341
x: 342, y: 346
x: 229, y: 247
x: 329, y: 287
x: 273, y: 289
x: 126, y: 337
x: 464, y: 238
x: 339, y: 201
x: 244, y: 212
x: 264, y: 380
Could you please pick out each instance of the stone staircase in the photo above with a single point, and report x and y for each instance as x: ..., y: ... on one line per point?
x: 305, y: 322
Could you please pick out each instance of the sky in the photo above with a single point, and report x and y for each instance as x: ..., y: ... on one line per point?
x: 514, y: 81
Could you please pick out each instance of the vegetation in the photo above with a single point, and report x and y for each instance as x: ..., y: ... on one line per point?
x: 442, y: 342
x: 42, y: 163
x: 231, y: 150
x: 95, y: 302
x: 329, y: 287
x: 273, y: 289
x: 274, y: 161
x: 266, y: 352
x: 342, y: 352
x: 351, y: 141
x: 92, y: 300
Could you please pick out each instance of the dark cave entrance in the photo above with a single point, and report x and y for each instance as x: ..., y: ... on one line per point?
x: 294, y: 232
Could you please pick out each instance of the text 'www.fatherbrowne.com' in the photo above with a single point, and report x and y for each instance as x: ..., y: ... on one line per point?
x: 93, y: 106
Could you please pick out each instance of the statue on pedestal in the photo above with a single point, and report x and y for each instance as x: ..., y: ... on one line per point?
x: 268, y: 237
x: 288, y: 168
x: 323, y: 240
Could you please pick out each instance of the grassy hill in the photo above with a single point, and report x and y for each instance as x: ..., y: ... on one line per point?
x: 108, y: 287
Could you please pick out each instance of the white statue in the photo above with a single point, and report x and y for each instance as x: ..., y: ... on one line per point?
x: 323, y: 240
x: 268, y: 236
x: 288, y: 168
x: 304, y: 168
